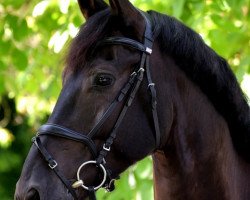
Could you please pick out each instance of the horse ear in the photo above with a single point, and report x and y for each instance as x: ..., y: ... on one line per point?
x: 129, y: 14
x: 91, y: 7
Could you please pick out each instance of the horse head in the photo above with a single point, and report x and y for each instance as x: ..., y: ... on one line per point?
x: 105, y: 118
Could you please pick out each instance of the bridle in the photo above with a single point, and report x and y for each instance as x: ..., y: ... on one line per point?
x: 127, y: 94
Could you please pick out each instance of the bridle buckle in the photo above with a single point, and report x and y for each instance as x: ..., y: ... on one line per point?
x: 106, y: 148
x: 151, y: 85
x: 110, y: 186
x: 52, y: 164
x: 149, y: 50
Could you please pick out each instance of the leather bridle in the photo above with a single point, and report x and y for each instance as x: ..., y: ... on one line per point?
x: 127, y: 94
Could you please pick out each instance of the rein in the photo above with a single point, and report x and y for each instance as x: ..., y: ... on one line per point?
x: 127, y: 94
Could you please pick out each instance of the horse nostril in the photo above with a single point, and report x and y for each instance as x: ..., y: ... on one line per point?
x: 33, y: 194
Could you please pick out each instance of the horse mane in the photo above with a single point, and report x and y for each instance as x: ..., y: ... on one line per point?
x: 210, y: 72
x: 200, y: 63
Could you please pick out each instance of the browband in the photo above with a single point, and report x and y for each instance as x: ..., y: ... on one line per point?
x: 125, y: 42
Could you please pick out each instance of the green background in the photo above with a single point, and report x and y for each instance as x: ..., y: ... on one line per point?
x: 35, y: 36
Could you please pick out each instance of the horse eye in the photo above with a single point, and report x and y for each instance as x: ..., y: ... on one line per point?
x: 103, y: 80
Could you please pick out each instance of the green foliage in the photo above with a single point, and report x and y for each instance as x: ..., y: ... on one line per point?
x: 34, y: 38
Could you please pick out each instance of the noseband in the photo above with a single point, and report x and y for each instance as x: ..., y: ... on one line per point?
x: 127, y: 94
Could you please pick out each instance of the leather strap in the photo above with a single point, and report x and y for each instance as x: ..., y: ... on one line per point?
x: 53, y: 165
x: 113, y: 105
x: 110, y: 140
x: 92, y: 194
x: 152, y: 90
x: 148, y: 42
x: 124, y: 42
x: 60, y: 131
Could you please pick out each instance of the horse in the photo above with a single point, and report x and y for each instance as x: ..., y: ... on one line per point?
x: 140, y: 84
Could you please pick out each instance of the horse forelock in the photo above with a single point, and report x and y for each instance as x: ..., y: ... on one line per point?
x: 91, y: 32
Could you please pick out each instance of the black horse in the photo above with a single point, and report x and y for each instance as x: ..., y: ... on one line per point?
x: 139, y: 84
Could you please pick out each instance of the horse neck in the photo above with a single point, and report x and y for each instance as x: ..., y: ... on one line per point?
x: 198, y: 160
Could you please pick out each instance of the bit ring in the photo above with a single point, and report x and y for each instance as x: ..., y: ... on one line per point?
x: 99, y: 166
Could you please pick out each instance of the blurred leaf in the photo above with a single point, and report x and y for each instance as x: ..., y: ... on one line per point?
x: 4, y: 48
x: 178, y: 8
x: 15, y: 3
x: 18, y: 27
x: 8, y: 160
x: 77, y: 21
x: 20, y: 59
x: 2, y: 85
x: 21, y: 30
